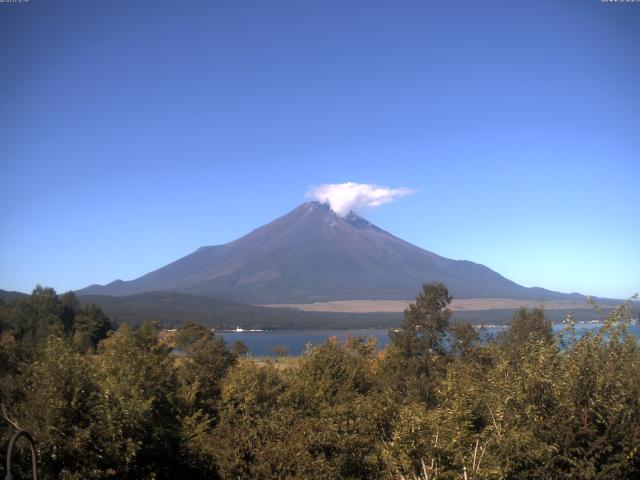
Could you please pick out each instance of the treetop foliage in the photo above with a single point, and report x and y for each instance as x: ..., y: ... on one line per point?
x: 437, y: 403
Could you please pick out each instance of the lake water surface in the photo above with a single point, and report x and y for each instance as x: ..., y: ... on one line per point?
x: 262, y: 343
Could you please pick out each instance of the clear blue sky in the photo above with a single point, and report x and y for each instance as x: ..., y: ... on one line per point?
x: 133, y: 132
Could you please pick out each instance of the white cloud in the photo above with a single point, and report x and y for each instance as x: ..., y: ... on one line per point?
x: 344, y: 197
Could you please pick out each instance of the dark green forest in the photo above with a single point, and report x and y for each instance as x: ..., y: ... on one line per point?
x: 437, y: 403
x: 172, y: 308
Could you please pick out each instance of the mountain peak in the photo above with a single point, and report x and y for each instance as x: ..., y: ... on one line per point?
x: 309, y: 208
x: 316, y: 206
x: 321, y: 213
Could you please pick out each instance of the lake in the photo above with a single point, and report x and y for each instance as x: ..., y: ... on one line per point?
x: 261, y: 344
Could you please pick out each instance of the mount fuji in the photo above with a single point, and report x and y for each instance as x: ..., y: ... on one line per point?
x: 312, y: 254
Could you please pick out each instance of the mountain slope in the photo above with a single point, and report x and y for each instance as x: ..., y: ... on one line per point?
x: 311, y: 254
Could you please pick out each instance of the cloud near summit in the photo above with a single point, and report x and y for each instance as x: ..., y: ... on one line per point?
x: 344, y: 197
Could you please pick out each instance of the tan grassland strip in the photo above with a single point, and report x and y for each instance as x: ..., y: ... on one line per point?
x: 391, y: 306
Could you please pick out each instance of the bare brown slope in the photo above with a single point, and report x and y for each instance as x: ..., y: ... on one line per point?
x: 457, y: 305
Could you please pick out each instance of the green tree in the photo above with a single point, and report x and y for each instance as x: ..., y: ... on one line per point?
x: 527, y: 326
x: 250, y: 423
x: 89, y: 327
x: 205, y: 362
x: 59, y: 407
x: 137, y: 415
x: 37, y: 316
x: 464, y: 339
x: 319, y: 419
x: 69, y: 305
x: 425, y: 323
x: 415, y: 358
x: 200, y: 370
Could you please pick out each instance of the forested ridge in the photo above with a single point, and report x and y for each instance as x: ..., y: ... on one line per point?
x: 436, y: 403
